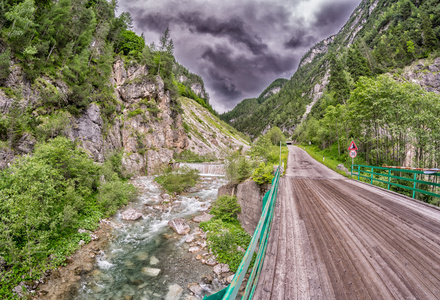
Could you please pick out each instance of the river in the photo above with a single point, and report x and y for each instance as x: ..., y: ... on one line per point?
x: 146, y: 259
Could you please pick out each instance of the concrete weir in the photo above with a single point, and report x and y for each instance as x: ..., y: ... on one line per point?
x: 206, y: 169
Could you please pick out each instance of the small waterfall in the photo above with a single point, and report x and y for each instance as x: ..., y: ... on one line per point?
x: 206, y: 169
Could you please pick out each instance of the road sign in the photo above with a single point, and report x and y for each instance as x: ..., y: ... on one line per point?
x: 352, y: 146
x: 353, y: 153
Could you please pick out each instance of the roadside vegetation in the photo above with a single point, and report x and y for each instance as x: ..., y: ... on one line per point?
x: 259, y: 162
x: 45, y: 199
x: 226, y: 238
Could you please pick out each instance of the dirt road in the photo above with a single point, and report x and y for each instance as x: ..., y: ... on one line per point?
x: 334, y: 238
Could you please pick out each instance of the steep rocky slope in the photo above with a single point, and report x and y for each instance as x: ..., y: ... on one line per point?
x: 390, y: 35
x: 148, y: 127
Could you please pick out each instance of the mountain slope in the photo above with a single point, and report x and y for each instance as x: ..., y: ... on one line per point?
x: 380, y: 36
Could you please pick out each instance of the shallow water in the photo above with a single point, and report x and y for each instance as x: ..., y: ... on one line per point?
x: 146, y: 260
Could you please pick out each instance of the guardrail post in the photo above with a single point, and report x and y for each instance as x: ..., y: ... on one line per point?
x: 389, y: 177
x: 359, y: 172
x: 372, y: 171
x: 414, y: 185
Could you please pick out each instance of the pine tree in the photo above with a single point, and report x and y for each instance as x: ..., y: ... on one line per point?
x: 356, y: 63
x: 338, y: 81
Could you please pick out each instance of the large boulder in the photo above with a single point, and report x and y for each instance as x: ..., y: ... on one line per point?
x: 131, y: 215
x: 179, y: 226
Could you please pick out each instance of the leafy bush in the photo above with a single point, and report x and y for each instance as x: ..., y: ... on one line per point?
x: 226, y: 208
x: 263, y: 174
x: 178, y: 181
x: 45, y: 199
x: 224, y: 240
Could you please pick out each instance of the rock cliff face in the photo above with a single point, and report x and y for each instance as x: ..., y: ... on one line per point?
x: 148, y: 128
x: 249, y: 195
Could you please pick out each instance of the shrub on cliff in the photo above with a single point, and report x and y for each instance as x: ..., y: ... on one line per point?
x: 226, y: 208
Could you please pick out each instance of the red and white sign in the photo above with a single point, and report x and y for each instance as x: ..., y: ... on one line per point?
x: 352, y: 146
x: 353, y: 153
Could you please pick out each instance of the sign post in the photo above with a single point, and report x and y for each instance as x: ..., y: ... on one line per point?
x: 353, y: 152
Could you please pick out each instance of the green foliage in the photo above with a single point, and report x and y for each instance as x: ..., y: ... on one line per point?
x: 226, y: 208
x: 134, y: 113
x: 45, y: 199
x: 238, y: 168
x: 179, y: 180
x: 263, y: 174
x: 275, y: 135
x: 129, y: 42
x: 224, y: 238
x: 4, y: 64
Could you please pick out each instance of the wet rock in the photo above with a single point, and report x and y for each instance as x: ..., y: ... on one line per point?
x: 151, y: 271
x: 195, y: 288
x: 154, y: 261
x: 203, y: 218
x: 194, y: 249
x: 198, y: 231
x: 179, y: 225
x: 230, y: 278
x: 207, y: 279
x: 141, y: 256
x: 211, y: 261
x: 174, y: 292
x: 202, y: 244
x: 221, y: 268
x: 190, y: 239
x: 94, y: 237
x: 131, y: 215
x: 189, y: 297
x: 199, y: 257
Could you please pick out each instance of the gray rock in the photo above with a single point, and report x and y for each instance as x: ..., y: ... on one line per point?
x: 203, y: 218
x: 26, y: 143
x: 221, y: 268
x: 433, y: 68
x: 150, y: 271
x: 194, y: 249
x: 174, y: 292
x: 230, y: 278
x: 195, y: 288
x: 179, y: 226
x: 5, y: 103
x: 341, y: 167
x: 88, y: 130
x: 131, y: 215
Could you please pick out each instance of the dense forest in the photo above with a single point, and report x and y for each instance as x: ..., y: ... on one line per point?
x: 367, y: 98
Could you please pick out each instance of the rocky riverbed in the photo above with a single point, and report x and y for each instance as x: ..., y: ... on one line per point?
x: 137, y: 254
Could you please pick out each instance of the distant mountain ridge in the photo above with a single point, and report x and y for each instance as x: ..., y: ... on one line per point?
x: 380, y: 35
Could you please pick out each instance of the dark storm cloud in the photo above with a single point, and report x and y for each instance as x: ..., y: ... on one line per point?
x: 300, y: 39
x: 234, y: 29
x: 239, y: 47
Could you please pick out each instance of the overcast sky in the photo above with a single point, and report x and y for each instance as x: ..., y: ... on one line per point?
x: 239, y: 46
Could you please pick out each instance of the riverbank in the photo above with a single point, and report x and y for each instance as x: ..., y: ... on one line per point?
x: 144, y: 257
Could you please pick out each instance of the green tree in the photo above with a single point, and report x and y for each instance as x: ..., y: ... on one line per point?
x: 130, y: 42
x: 356, y: 63
x: 429, y: 39
x: 338, y: 81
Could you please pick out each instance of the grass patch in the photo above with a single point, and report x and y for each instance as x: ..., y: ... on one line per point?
x: 191, y: 157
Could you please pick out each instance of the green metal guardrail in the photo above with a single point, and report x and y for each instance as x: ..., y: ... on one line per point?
x: 262, y: 230
x: 390, y: 174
